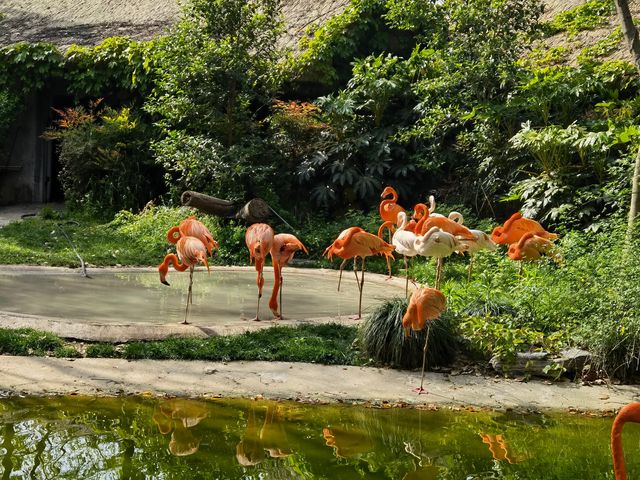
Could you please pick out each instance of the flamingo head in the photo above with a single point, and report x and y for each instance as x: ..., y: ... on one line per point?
x: 163, y: 269
x: 388, y: 191
x: 514, y: 252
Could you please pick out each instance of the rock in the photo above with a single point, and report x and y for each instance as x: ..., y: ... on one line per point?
x: 570, y: 361
x: 574, y: 359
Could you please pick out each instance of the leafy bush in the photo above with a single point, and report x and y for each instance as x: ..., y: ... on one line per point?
x: 382, y: 338
x: 586, y: 16
x: 106, y: 163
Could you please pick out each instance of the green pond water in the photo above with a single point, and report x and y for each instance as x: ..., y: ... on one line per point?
x: 148, y: 438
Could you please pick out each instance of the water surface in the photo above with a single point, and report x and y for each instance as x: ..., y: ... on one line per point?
x: 145, y: 438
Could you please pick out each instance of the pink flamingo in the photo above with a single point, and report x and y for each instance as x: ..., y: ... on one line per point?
x: 283, y: 249
x: 259, y: 238
x: 628, y: 413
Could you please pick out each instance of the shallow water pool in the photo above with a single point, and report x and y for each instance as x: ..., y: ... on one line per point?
x: 145, y: 438
x: 224, y: 295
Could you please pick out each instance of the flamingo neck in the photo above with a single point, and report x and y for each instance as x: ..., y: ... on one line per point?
x: 423, y: 219
x: 389, y: 225
x: 173, y: 259
x: 171, y: 234
x: 619, y: 467
x: 513, y: 218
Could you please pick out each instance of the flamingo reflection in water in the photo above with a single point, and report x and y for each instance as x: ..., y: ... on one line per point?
x: 270, y: 439
x: 347, y: 443
x: 178, y: 416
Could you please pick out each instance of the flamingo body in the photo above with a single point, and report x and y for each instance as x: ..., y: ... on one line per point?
x: 191, y: 251
x: 435, y: 243
x: 530, y: 247
x: 481, y: 241
x: 191, y: 227
x: 426, y: 304
x: 517, y: 226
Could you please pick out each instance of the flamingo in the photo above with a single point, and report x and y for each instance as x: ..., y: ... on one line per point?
x: 191, y: 251
x: 403, y: 241
x: 354, y: 242
x: 283, y: 249
x: 436, y: 243
x: 425, y: 305
x: 191, y: 227
x: 454, y: 216
x: 628, y: 413
x: 389, y: 207
x: 514, y: 228
x: 259, y: 238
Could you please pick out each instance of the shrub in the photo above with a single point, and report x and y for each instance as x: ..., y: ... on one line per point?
x: 383, y: 339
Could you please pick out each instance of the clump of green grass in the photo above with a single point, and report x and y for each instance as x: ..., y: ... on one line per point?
x: 383, y: 338
x: 328, y: 344
x: 66, y: 352
x: 26, y: 341
x: 102, y: 350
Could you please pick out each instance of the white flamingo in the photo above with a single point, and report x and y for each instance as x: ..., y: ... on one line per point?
x: 404, y: 242
x: 436, y: 243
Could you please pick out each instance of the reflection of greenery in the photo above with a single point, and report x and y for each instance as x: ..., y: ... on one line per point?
x: 80, y: 437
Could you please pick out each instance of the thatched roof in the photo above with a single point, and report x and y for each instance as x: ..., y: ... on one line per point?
x: 88, y: 22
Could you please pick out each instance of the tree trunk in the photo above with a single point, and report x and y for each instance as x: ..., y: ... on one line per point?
x: 633, y: 42
x: 254, y: 211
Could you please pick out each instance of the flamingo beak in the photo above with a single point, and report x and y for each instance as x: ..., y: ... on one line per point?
x: 164, y: 282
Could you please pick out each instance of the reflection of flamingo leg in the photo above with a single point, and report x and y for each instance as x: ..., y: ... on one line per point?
x: 424, y: 360
x: 189, y: 296
x: 341, y: 268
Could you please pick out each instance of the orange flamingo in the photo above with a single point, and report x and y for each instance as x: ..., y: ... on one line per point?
x: 354, y: 242
x: 259, y: 238
x: 445, y: 224
x: 283, y: 249
x: 628, y: 413
x: 389, y: 207
x: 425, y: 305
x: 191, y: 227
x: 190, y: 251
x: 514, y: 228
x: 531, y: 246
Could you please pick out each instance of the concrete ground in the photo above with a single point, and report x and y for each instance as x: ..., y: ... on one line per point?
x: 301, y: 382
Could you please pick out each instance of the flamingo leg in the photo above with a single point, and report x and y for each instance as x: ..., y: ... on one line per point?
x: 189, y: 296
x: 420, y: 389
x: 341, y: 268
x: 281, y: 285
x: 406, y: 272
x: 470, y: 268
x: 438, y: 272
x: 355, y: 271
x: 257, y: 319
x: 360, y: 287
x: 521, y: 269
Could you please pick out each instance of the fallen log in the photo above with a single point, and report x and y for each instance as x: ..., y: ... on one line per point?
x: 254, y: 211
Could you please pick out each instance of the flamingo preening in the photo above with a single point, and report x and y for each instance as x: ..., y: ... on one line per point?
x: 403, y: 241
x: 515, y: 227
x: 425, y: 305
x: 438, y: 244
x: 354, y: 242
x: 283, y: 249
x: 259, y: 238
x: 191, y: 251
x: 628, y: 413
x: 191, y: 227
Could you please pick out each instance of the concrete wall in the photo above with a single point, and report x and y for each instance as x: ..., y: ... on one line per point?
x: 24, y: 173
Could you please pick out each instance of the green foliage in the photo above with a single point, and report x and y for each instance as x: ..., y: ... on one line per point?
x: 106, y: 164
x: 67, y: 351
x: 29, y: 67
x: 25, y: 341
x: 102, y: 350
x: 115, y: 65
x: 602, y: 48
x: 383, y: 339
x: 586, y: 16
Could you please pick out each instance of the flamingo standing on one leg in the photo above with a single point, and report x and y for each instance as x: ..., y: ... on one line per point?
x: 259, y: 238
x: 191, y: 227
x: 404, y: 242
x: 283, y: 249
x: 354, y: 242
x: 514, y: 228
x: 436, y: 243
x: 425, y: 305
x: 628, y: 413
x: 190, y: 251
